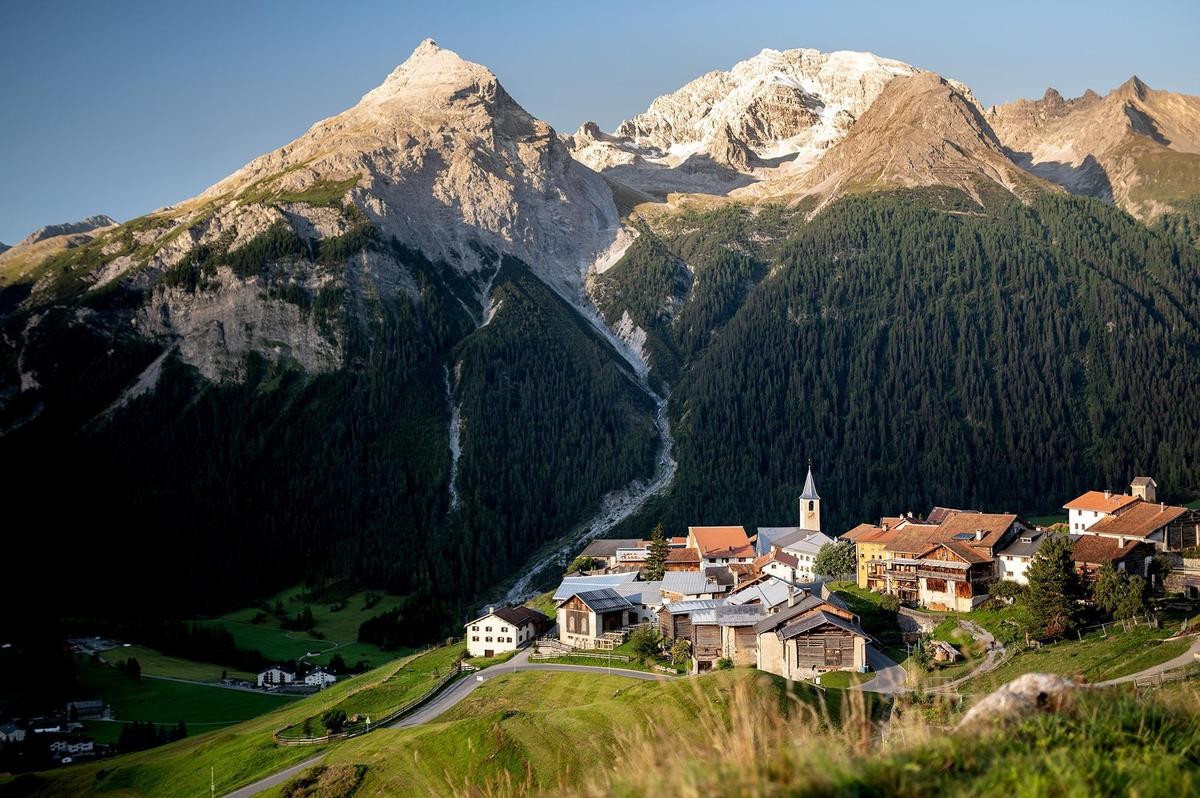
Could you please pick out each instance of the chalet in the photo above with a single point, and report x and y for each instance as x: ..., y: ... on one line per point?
x: 646, y: 598
x: 573, y: 584
x: 1167, y: 527
x: 605, y: 550
x: 1015, y: 558
x: 275, y: 675
x: 504, y: 629
x: 685, y: 585
x: 319, y: 678
x: 779, y: 564
x: 770, y: 593
x: 720, y: 545
x: 682, y: 559
x: 587, y: 617
x: 803, y: 545
x: 810, y: 636
x: 675, y: 619
x: 1085, y: 510
x: 725, y: 632
x: 1090, y: 552
x: 949, y: 565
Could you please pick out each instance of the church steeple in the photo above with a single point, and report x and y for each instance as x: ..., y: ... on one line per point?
x: 810, y: 504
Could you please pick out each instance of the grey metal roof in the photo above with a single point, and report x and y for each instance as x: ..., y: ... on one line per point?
x: 573, y: 584
x: 607, y: 547
x: 787, y: 613
x: 690, y: 606
x: 820, y: 618
x: 770, y: 592
x: 804, y: 540
x: 767, y: 535
x: 727, y: 615
x: 689, y: 583
x: 648, y: 594
x: 1024, y: 545
x: 604, y: 600
x: 810, y: 487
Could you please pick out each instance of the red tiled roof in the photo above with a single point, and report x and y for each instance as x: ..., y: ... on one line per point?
x: 1097, y: 501
x: 683, y: 556
x: 1139, y: 520
x: 1097, y: 550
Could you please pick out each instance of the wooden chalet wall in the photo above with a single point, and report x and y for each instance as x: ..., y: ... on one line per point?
x: 706, y: 642
x: 578, y: 616
x: 825, y: 647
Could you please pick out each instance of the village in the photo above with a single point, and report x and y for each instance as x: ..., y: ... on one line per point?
x: 719, y: 597
x: 728, y: 598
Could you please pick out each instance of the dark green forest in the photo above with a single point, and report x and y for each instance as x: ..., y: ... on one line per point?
x: 199, y: 496
x: 925, y: 351
x: 919, y: 348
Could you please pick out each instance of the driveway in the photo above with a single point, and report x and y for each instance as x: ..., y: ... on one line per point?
x: 889, y: 677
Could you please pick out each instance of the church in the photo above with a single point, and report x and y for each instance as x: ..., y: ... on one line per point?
x: 802, y: 542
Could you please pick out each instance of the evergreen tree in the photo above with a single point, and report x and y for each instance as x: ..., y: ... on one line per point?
x: 1133, y: 598
x: 1108, y: 590
x: 1053, y: 588
x: 656, y: 560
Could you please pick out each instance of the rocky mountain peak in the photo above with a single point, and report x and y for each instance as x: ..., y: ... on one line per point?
x: 433, y: 73
x: 68, y: 228
x: 1133, y: 89
x: 922, y: 130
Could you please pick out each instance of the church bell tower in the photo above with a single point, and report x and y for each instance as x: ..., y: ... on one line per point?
x: 810, y: 504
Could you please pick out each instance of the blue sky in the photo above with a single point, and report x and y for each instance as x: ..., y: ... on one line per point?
x: 121, y: 107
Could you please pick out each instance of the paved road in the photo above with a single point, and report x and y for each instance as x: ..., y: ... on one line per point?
x: 1182, y: 661
x: 276, y: 779
x: 464, y: 687
x: 447, y: 699
x: 889, y: 677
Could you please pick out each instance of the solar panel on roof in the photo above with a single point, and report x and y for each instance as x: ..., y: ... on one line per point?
x: 964, y: 536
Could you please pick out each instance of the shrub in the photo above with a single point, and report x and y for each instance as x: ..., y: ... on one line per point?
x: 724, y: 664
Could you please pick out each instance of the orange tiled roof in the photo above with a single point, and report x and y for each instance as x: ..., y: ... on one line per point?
x: 1139, y: 520
x: 1097, y: 501
x: 994, y: 525
x: 717, y: 540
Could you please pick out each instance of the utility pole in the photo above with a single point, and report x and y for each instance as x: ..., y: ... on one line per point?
x: 212, y: 782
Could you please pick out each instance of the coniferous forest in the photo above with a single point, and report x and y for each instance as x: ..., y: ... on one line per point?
x: 922, y: 350
x: 918, y: 347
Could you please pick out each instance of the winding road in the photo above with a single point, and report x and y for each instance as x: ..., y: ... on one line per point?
x: 445, y: 700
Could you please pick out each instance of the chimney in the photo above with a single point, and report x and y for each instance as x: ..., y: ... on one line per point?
x: 979, y: 534
x: 1107, y: 494
x: 1162, y: 506
x: 791, y: 596
x: 491, y: 610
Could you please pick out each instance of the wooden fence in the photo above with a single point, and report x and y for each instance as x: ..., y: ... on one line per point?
x: 581, y: 654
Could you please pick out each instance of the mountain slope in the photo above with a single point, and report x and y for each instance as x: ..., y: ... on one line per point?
x: 1136, y: 147
x: 337, y: 363
x: 921, y: 349
x: 920, y: 131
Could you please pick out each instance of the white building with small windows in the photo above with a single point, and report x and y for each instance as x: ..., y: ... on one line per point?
x: 274, y: 676
x: 320, y: 678
x: 503, y: 630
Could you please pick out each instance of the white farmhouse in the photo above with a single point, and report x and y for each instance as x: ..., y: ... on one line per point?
x: 1013, y: 561
x: 504, y: 629
x: 275, y: 675
x: 1086, y: 510
x: 320, y: 678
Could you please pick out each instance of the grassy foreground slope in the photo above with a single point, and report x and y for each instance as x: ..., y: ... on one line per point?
x: 238, y: 754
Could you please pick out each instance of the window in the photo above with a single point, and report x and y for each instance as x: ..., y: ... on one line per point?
x: 487, y: 629
x: 811, y: 505
x: 487, y: 639
x: 475, y: 638
x: 474, y: 628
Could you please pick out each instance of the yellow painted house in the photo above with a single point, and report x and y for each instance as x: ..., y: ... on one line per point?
x: 870, y: 544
